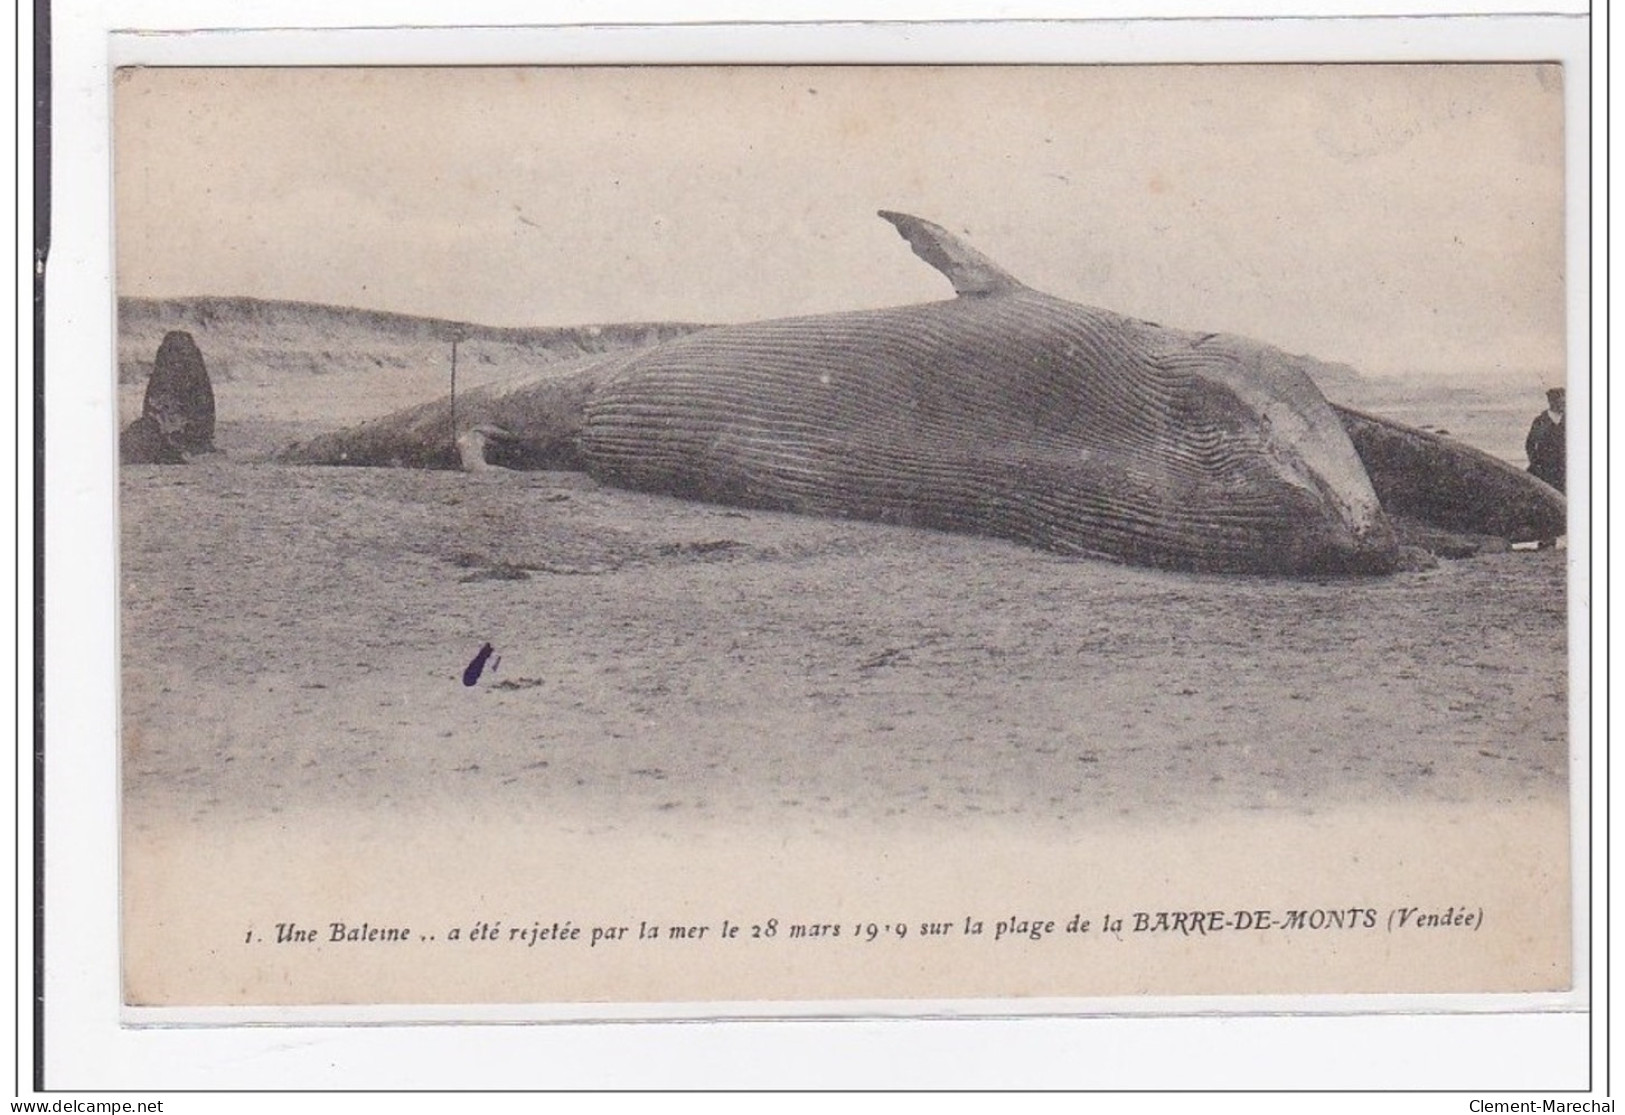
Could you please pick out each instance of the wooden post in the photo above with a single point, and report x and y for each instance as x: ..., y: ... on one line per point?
x: 454, y: 396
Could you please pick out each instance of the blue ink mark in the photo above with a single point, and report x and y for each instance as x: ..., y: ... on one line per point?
x: 471, y: 675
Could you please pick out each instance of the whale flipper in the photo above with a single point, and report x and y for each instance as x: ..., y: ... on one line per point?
x: 471, y: 447
x: 971, y: 272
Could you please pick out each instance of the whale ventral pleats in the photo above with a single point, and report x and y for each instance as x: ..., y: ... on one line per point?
x: 971, y: 272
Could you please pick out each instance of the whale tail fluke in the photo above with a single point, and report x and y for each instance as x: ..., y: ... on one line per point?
x: 971, y: 272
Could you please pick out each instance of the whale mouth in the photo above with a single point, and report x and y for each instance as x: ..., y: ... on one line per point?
x: 1345, y: 536
x: 1327, y: 528
x: 1372, y: 552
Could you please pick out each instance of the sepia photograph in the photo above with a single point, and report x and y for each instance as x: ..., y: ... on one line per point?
x: 751, y: 539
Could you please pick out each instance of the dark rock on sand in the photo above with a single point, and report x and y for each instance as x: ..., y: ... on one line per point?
x: 177, y: 414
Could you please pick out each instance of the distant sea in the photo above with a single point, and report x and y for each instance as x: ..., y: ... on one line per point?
x: 1492, y: 418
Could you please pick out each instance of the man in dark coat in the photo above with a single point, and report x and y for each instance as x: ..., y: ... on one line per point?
x: 1547, y: 443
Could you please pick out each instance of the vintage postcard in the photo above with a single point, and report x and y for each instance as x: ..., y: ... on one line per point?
x: 759, y: 539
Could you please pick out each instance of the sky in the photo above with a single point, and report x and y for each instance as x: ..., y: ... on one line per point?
x: 1407, y: 220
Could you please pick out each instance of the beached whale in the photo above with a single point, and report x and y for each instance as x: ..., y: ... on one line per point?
x: 1002, y: 412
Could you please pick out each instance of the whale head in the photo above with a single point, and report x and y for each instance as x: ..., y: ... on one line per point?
x: 1331, y: 520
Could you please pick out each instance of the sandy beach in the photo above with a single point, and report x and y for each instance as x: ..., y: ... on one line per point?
x: 656, y: 660
x: 691, y: 713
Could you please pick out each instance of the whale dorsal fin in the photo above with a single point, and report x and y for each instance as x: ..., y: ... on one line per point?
x: 971, y: 272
